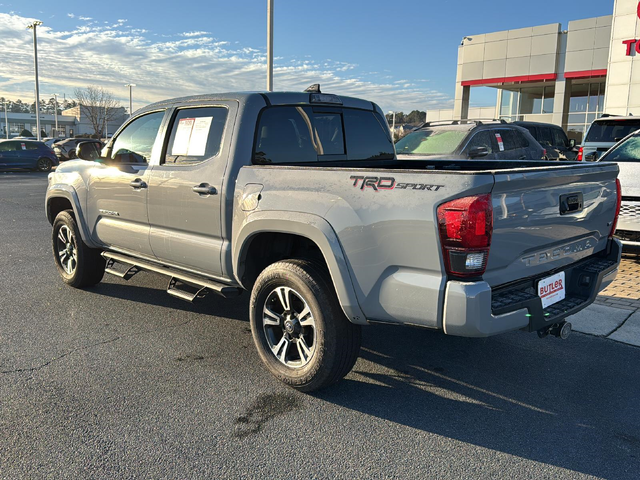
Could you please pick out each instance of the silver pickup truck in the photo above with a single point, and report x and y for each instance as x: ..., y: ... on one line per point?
x: 300, y: 199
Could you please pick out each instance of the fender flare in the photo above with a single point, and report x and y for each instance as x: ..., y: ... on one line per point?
x: 316, y: 229
x: 69, y: 193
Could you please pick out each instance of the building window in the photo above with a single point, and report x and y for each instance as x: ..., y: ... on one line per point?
x: 526, y: 101
x: 16, y: 128
x: 586, y: 104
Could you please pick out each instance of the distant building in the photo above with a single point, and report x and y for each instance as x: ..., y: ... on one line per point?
x: 84, y: 126
x: 21, y: 121
x: 545, y: 73
x: 70, y: 123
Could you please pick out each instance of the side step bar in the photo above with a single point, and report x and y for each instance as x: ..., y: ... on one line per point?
x: 196, y: 287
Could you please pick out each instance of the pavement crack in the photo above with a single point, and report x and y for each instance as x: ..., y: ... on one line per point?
x: 96, y: 344
x: 619, y: 326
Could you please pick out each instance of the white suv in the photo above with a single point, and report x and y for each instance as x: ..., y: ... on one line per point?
x: 604, y: 133
x: 627, y: 155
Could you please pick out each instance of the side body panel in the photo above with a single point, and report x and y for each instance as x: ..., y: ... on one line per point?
x: 185, y: 226
x: 388, y: 236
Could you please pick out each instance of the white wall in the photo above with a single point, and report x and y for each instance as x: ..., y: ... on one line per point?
x: 623, y: 76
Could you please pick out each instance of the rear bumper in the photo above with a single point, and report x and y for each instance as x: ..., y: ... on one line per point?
x: 473, y: 309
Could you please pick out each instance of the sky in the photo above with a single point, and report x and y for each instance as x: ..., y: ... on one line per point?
x: 402, y: 55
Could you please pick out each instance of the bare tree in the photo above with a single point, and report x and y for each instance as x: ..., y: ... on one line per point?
x: 98, y: 105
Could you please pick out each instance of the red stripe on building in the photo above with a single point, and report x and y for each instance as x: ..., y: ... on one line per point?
x: 520, y: 79
x: 586, y: 74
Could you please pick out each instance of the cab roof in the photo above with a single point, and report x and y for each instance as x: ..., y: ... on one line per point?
x: 268, y: 98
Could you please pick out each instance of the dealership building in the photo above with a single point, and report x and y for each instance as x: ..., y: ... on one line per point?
x: 549, y: 74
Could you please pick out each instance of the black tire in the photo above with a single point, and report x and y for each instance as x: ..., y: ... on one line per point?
x: 72, y: 154
x: 336, y: 341
x: 44, y: 164
x: 79, y: 266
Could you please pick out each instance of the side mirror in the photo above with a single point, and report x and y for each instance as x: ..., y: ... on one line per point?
x: 478, y: 152
x: 572, y: 143
x: 88, y: 151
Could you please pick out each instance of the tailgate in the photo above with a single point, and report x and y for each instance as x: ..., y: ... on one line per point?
x: 531, y: 236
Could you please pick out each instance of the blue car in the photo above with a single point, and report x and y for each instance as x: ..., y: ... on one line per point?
x: 27, y: 154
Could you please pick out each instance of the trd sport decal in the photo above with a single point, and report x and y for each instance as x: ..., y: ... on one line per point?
x: 389, y: 183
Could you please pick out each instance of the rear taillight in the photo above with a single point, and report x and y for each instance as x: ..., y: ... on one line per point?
x: 614, y: 225
x: 544, y: 154
x: 580, y: 156
x: 465, y: 227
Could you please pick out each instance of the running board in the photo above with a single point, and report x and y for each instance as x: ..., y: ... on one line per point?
x: 199, y: 285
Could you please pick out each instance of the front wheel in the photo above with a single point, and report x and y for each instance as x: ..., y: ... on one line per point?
x: 44, y: 164
x: 78, y: 265
x: 299, y: 329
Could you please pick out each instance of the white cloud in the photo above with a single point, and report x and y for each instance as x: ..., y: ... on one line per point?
x: 195, y: 62
x: 85, y: 18
x: 71, y: 15
x: 194, y: 34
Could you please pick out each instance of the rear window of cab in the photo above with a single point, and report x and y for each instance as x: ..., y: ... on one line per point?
x: 312, y: 134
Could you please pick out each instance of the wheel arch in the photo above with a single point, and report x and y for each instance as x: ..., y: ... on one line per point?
x: 65, y: 198
x: 304, y: 232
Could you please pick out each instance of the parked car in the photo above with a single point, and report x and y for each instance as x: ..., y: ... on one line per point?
x: 66, y: 149
x: 299, y: 198
x: 553, y: 138
x: 49, y: 141
x: 627, y: 155
x: 27, y: 154
x: 469, y: 139
x: 604, y: 133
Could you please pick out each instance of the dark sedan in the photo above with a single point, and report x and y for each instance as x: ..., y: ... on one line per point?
x: 27, y: 154
x: 66, y: 149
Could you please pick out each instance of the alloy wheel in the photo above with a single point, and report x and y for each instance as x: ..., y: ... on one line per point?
x: 289, y: 327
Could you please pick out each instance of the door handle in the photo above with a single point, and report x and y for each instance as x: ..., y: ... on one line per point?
x: 205, y: 189
x: 138, y: 183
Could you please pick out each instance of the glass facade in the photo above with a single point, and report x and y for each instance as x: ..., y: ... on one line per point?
x: 586, y: 104
x: 526, y: 101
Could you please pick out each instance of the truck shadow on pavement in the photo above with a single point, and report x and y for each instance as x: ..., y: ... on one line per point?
x: 572, y: 404
x: 212, y: 304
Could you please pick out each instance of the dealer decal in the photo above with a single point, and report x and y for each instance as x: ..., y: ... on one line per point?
x: 389, y: 183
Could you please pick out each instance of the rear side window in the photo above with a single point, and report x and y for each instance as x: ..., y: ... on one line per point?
x: 545, y: 137
x: 508, y: 138
x: 367, y: 139
x: 31, y: 146
x: 611, y: 131
x: 521, y: 139
x: 196, y: 135
x: 308, y: 134
x: 559, y: 138
x: 9, y: 146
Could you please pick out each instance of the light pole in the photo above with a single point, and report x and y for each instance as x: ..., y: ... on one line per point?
x: 393, y: 127
x: 130, y: 85
x: 55, y: 100
x: 33, y: 26
x: 6, y: 120
x: 269, y: 45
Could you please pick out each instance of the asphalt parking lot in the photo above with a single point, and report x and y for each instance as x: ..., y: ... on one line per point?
x: 124, y: 381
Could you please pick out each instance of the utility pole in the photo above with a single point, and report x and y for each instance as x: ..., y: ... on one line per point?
x: 130, y: 85
x: 269, y: 45
x: 6, y: 121
x: 55, y: 99
x: 33, y: 26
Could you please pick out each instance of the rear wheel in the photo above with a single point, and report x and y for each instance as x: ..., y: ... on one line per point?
x: 72, y: 154
x: 44, y: 164
x: 299, y: 329
x: 78, y: 265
